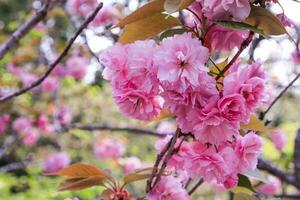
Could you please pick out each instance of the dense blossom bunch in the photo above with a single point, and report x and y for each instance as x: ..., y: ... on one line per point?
x: 147, y: 77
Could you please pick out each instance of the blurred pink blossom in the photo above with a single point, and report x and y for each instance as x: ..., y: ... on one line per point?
x: 4, y: 121
x: 130, y: 164
x: 55, y: 162
x: 279, y: 138
x: 109, y: 149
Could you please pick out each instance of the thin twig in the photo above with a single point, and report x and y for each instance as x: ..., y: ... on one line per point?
x: 53, y: 64
x: 262, y: 116
x: 112, y: 128
x: 196, y: 186
x: 18, y: 34
x: 235, y: 57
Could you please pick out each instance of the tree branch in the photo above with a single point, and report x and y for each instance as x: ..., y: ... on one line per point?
x: 53, y: 64
x: 117, y: 129
x: 262, y: 116
x: 196, y: 186
x: 272, y: 169
x: 244, y: 45
x: 14, y: 39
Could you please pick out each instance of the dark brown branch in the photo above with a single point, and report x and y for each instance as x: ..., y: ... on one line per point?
x: 53, y: 64
x: 196, y: 186
x: 273, y: 170
x: 262, y: 116
x: 117, y: 129
x: 14, y: 166
x: 14, y: 39
x: 244, y: 45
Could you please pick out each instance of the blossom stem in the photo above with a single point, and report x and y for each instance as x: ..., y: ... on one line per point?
x: 235, y: 57
x: 196, y: 186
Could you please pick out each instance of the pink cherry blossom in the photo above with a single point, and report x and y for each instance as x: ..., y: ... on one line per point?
x: 55, y: 162
x: 44, y: 125
x: 50, y: 85
x: 82, y: 7
x: 4, y: 121
x: 64, y: 115
x: 224, y: 9
x: 285, y: 20
x: 29, y: 137
x: 279, y: 138
x: 166, y: 127
x: 107, y: 16
x: 247, y: 81
x: 232, y: 107
x: 135, y: 87
x: 222, y: 39
x: 168, y: 188
x: 270, y: 189
x: 207, y: 163
x: 182, y: 58
x: 109, y: 149
x: 21, y: 124
x: 296, y: 58
x: 76, y: 66
x: 130, y: 164
x: 248, y: 149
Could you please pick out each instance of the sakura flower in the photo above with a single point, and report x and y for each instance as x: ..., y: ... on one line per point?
x: 55, y: 162
x: 166, y: 127
x: 82, y: 7
x: 248, y: 149
x: 130, y: 164
x: 64, y: 115
x: 232, y: 107
x: 296, y: 58
x: 4, y: 120
x: 279, y: 139
x: 29, y: 137
x: 22, y: 124
x: 247, y: 81
x: 239, y: 9
x: 43, y: 124
x: 207, y: 163
x: 222, y: 39
x: 76, y: 66
x: 168, y: 188
x: 107, y: 16
x: 50, y: 84
x: 285, y: 20
x: 109, y: 149
x: 181, y: 57
x: 270, y: 189
x: 135, y: 87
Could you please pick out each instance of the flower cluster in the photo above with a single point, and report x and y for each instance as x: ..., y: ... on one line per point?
x: 109, y: 149
x: 148, y: 77
x: 55, y: 162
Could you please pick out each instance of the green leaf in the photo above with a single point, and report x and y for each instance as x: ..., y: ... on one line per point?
x: 147, y: 27
x: 240, y: 26
x: 257, y: 175
x: 172, y: 32
x: 264, y: 20
x: 245, y: 182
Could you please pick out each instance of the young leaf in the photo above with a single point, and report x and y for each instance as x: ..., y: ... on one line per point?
x: 172, y: 6
x: 264, y: 20
x: 147, y: 27
x: 172, y: 32
x: 81, y: 183
x: 133, y: 177
x: 256, y: 125
x: 244, y: 196
x: 151, y: 8
x: 240, y: 26
x: 164, y: 114
x: 80, y: 170
x: 216, y: 69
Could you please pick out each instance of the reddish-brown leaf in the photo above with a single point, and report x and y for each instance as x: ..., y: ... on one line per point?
x: 75, y: 184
